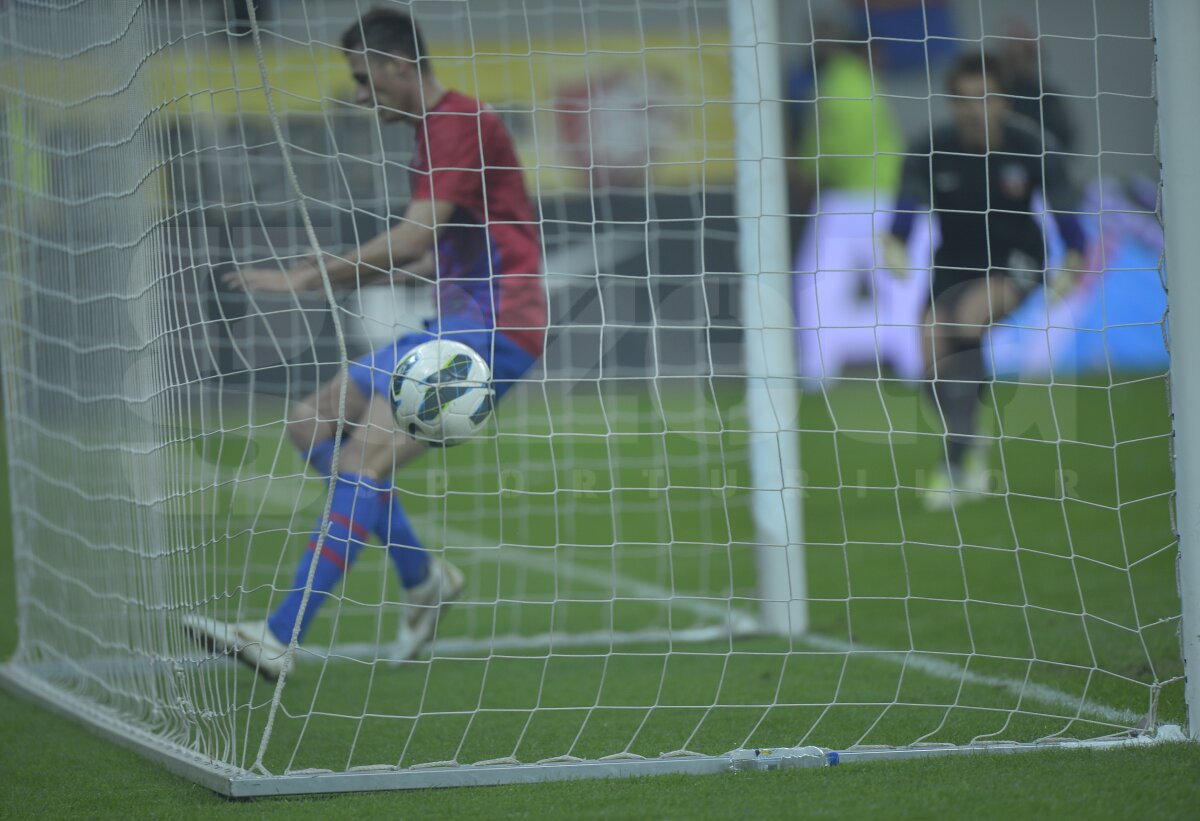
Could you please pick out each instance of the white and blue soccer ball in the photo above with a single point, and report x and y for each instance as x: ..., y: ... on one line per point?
x: 442, y: 393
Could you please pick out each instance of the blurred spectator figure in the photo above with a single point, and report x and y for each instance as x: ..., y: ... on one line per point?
x: 847, y: 169
x: 845, y: 136
x: 1033, y: 96
x: 909, y: 35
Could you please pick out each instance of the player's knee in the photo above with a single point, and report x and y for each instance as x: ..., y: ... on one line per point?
x: 362, y: 456
x: 304, y: 423
x: 303, y: 411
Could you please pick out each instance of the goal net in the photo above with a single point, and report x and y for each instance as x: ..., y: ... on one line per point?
x: 707, y: 523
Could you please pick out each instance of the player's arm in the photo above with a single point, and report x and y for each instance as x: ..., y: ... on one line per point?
x: 402, y: 254
x: 912, y: 197
x: 1058, y: 192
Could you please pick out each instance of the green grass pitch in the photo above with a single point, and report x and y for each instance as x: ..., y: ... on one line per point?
x: 1017, y: 617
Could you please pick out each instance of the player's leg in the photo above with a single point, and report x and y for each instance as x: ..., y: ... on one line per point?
x: 431, y: 583
x: 967, y: 310
x: 959, y: 369
x: 980, y: 306
x: 939, y: 345
x: 363, y: 504
x: 426, y: 599
x: 978, y: 310
x: 376, y: 450
x: 263, y: 644
x: 371, y: 450
x: 361, y: 500
x: 312, y: 424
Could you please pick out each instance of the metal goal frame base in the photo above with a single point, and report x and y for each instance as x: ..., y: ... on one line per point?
x: 235, y: 782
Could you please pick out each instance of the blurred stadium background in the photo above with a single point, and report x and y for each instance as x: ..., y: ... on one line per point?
x: 647, y: 236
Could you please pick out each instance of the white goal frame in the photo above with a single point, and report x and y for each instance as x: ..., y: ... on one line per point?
x: 774, y: 451
x: 1178, y: 65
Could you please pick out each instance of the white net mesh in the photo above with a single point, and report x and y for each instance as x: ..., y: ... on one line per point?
x: 605, y: 527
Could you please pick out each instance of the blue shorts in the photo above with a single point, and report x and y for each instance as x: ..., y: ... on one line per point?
x: 372, y: 374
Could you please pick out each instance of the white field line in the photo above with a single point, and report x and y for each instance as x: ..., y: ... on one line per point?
x: 549, y: 642
x: 701, y: 606
x: 940, y: 668
x: 730, y: 621
x: 739, y: 622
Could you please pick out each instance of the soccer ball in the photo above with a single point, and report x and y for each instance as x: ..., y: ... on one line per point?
x: 442, y: 393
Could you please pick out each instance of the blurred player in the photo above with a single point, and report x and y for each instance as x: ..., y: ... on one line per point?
x: 470, y: 227
x: 978, y: 175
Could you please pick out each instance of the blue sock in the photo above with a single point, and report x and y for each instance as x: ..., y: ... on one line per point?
x: 320, y: 456
x: 358, y: 506
x: 404, y: 548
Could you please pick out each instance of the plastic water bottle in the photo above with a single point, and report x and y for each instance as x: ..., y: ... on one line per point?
x: 780, y: 758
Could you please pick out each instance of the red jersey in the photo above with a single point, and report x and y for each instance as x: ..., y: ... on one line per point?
x: 488, y: 254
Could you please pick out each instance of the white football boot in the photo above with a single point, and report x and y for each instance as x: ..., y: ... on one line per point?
x: 251, y: 642
x: 938, y: 491
x: 945, y: 489
x: 425, y: 604
x: 972, y: 479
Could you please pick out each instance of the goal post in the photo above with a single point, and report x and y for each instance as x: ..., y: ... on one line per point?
x: 702, y: 533
x: 1178, y: 64
x: 764, y: 260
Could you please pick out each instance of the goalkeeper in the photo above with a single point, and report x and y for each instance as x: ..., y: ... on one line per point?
x: 978, y: 175
x: 470, y: 226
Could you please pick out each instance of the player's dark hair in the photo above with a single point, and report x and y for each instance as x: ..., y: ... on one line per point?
x: 386, y: 31
x: 977, y: 64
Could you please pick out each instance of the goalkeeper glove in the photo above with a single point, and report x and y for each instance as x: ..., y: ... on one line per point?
x: 1061, y: 281
x: 894, y: 254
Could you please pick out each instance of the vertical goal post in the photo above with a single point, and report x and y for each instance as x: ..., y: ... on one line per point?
x: 765, y: 264
x: 1176, y: 24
